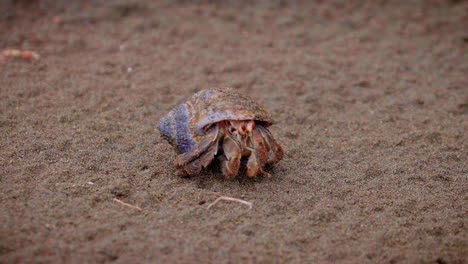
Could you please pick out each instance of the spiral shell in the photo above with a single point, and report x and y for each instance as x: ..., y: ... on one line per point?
x: 184, y: 125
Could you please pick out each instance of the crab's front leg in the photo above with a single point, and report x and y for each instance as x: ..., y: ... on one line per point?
x: 192, y: 162
x: 258, y: 155
x: 232, y: 156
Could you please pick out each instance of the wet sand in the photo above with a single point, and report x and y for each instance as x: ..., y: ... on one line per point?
x: 370, y: 102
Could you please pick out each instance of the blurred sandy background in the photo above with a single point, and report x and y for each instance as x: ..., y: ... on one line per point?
x: 370, y: 99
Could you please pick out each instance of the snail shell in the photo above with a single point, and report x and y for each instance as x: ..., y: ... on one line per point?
x: 185, y: 125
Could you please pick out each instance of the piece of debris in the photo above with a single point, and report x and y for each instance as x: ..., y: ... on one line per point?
x: 225, y: 198
x: 16, y: 53
x: 128, y: 205
x: 91, y: 183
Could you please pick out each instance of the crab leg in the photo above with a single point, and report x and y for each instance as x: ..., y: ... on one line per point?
x: 232, y: 154
x: 275, y: 151
x: 260, y: 147
x: 254, y: 167
x: 258, y: 155
x: 209, y: 155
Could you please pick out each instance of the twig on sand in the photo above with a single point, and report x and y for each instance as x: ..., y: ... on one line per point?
x: 128, y: 205
x: 249, y: 204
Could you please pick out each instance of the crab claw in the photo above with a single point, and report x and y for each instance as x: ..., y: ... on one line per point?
x: 192, y: 162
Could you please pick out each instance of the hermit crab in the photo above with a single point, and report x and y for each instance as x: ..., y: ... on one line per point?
x: 224, y: 124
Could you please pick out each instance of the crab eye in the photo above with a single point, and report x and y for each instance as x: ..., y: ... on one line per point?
x: 207, y: 127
